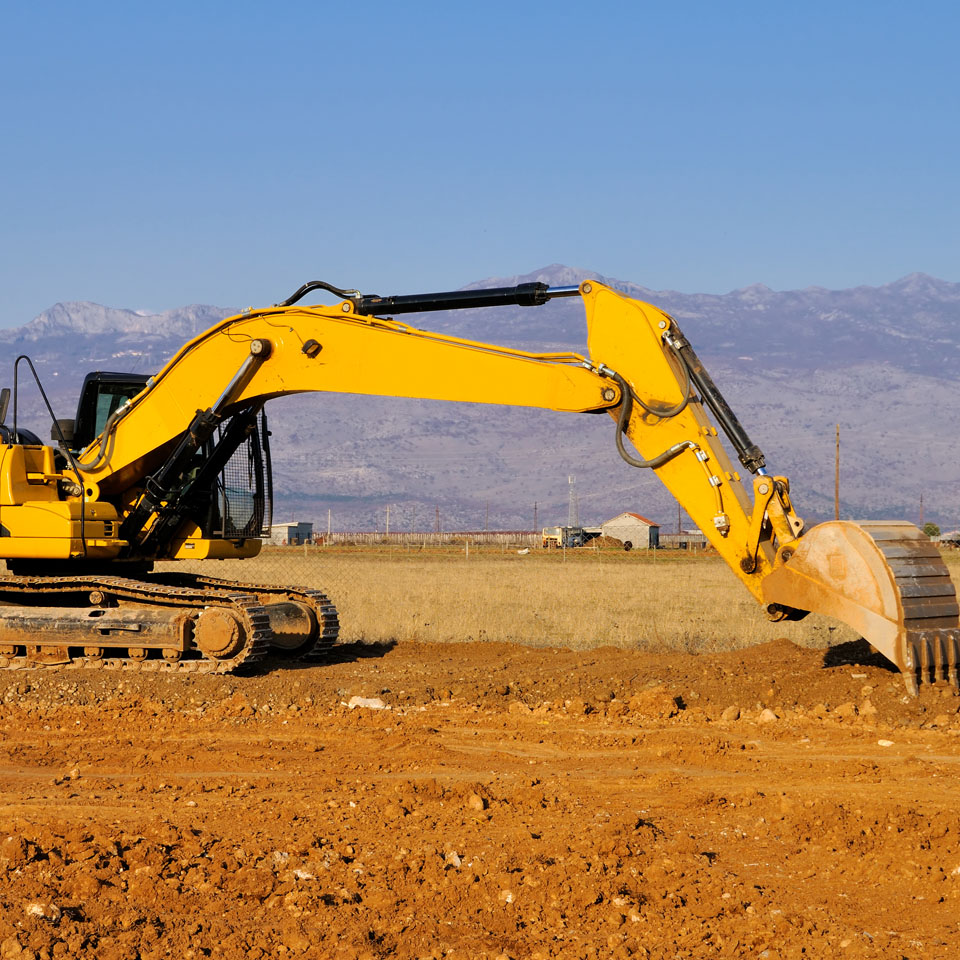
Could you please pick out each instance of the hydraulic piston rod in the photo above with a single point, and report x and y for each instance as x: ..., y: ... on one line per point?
x: 522, y: 295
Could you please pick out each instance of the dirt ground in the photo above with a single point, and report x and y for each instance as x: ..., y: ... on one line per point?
x: 776, y: 802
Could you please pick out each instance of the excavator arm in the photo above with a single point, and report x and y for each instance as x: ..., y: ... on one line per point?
x: 887, y: 581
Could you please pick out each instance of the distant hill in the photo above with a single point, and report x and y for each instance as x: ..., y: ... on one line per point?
x: 880, y: 361
x: 914, y: 322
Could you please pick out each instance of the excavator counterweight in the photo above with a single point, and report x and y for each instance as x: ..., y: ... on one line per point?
x: 148, y: 472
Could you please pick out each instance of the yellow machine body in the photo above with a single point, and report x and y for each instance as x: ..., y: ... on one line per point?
x: 884, y: 581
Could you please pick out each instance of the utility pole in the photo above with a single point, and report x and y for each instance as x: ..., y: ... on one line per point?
x: 836, y: 478
x: 413, y: 520
x: 436, y: 522
x: 486, y: 518
x: 679, y: 531
x: 921, y: 512
x: 388, y: 520
x: 536, y: 525
x: 328, y: 523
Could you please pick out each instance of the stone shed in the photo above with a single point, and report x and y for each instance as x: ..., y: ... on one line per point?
x: 639, y: 532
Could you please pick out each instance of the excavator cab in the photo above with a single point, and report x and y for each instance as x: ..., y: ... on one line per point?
x: 101, y: 395
x: 223, y: 486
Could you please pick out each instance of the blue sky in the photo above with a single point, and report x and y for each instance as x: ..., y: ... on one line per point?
x: 158, y: 155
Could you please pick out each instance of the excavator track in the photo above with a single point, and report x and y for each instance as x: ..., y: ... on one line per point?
x: 316, y: 648
x: 67, y: 634
x: 930, y: 615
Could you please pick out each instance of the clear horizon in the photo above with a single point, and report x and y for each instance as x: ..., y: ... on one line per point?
x: 221, y: 154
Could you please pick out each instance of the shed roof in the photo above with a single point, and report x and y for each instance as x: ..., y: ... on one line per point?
x: 635, y: 516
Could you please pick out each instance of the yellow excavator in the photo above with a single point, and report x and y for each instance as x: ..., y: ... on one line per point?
x: 177, y: 466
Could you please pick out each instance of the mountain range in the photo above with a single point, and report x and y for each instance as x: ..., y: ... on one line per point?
x: 880, y: 362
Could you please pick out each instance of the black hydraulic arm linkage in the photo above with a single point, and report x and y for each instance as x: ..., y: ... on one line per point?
x: 750, y: 455
x: 522, y: 295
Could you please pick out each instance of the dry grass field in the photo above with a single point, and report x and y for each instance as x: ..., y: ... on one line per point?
x: 586, y: 598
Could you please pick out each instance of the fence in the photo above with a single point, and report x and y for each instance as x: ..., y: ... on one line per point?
x: 508, y: 538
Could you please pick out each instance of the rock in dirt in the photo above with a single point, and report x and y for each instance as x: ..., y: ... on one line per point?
x: 731, y: 713
x: 655, y: 703
x: 14, y: 849
x: 369, y: 703
x: 10, y: 949
x: 46, y: 911
x: 767, y: 716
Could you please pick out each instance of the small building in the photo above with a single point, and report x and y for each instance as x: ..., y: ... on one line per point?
x: 630, y: 528
x: 291, y: 533
x: 685, y: 540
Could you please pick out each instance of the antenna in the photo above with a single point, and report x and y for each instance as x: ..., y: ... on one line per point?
x: 573, y: 511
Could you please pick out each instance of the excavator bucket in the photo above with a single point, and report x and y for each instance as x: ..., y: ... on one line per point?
x: 887, y: 581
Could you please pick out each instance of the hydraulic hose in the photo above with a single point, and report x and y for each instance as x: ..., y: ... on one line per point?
x: 666, y: 414
x: 623, y: 418
x: 626, y: 408
x: 317, y: 285
x: 105, y: 454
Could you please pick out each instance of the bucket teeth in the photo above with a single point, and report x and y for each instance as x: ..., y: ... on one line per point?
x: 911, y: 671
x: 926, y: 658
x: 928, y: 603
x: 932, y: 656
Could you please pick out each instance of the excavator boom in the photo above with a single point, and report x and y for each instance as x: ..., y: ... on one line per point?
x: 143, y: 488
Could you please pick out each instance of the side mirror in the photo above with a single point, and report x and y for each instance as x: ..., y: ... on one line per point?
x: 65, y: 427
x: 4, y: 403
